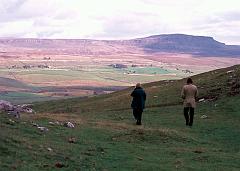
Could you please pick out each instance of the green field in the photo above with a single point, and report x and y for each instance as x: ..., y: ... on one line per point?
x: 149, y: 70
x: 22, y: 97
x: 111, y: 75
x: 108, y: 139
x: 32, y: 80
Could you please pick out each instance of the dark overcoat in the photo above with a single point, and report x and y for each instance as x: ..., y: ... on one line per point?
x: 139, y: 98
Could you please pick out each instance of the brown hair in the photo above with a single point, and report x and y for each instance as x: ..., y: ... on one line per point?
x: 138, y: 85
x: 189, y: 81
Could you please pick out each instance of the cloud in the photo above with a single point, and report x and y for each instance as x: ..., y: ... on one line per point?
x: 119, y: 19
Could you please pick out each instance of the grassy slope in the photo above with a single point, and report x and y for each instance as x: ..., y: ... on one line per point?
x: 107, y: 138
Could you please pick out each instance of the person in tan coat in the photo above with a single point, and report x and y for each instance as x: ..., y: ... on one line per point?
x: 189, y: 94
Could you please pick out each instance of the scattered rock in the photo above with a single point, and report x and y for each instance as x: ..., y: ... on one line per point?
x: 11, y: 121
x: 15, y: 110
x: 5, y: 105
x: 204, y: 117
x: 231, y: 71
x: 42, y: 129
x: 49, y: 149
x: 72, y: 140
x: 14, y: 113
x: 27, y: 108
x: 51, y: 123
x: 35, y: 124
x: 69, y: 125
x: 139, y: 158
x: 57, y: 123
x: 201, y: 100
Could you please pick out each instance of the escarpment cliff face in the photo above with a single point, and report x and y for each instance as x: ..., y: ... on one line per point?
x: 187, y: 44
x: 166, y: 43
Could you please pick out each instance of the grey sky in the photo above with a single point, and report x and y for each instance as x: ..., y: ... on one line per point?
x: 119, y: 19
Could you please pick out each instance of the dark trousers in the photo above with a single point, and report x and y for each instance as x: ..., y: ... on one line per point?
x: 188, y: 114
x: 137, y: 113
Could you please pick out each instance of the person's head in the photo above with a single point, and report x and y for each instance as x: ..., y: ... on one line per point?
x: 138, y: 85
x: 189, y: 81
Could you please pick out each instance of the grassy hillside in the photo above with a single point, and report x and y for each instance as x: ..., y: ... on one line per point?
x: 107, y: 139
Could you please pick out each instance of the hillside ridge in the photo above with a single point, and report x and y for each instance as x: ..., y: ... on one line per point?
x: 203, y: 46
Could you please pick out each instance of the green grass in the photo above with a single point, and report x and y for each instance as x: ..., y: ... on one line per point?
x: 148, y: 70
x: 24, y: 97
x: 107, y: 139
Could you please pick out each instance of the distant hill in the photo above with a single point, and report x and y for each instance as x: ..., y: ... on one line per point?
x: 166, y: 43
x: 187, y: 44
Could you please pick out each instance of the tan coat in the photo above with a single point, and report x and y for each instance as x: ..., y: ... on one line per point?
x: 189, y: 94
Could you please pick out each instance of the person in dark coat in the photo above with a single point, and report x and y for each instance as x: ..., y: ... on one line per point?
x: 138, y: 103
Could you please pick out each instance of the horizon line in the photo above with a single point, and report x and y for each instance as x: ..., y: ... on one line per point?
x: 112, y: 39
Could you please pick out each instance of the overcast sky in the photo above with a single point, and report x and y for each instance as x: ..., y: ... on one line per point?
x: 120, y: 19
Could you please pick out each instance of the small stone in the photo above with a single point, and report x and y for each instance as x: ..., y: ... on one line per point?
x: 51, y: 123
x: 11, y: 121
x: 42, y: 129
x: 57, y: 123
x: 231, y: 71
x: 139, y: 158
x: 69, y: 125
x: 204, y: 117
x: 35, y: 124
x: 72, y: 140
x: 49, y: 149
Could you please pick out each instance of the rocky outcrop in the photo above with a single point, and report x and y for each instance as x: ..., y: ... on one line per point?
x: 15, y: 110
